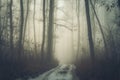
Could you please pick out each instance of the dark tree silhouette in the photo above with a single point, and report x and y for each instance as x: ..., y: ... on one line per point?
x: 11, y: 26
x: 35, y: 47
x: 100, y: 26
x: 0, y: 25
x: 92, y: 54
x: 26, y: 19
x: 50, y: 30
x: 78, y: 19
x: 20, y: 45
x: 44, y: 27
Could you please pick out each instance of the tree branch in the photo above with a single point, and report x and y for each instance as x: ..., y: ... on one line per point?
x: 62, y: 25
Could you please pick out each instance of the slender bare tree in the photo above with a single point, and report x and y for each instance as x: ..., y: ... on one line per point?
x: 35, y: 47
x: 92, y: 54
x: 78, y: 19
x: 26, y: 19
x: 44, y: 27
x: 50, y: 30
x: 11, y: 26
x: 20, y: 45
x: 100, y: 26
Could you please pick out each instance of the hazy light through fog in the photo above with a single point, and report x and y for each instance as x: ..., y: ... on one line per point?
x: 63, y: 50
x: 66, y: 41
x: 65, y: 37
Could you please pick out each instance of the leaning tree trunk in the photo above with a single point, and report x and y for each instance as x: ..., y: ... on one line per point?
x: 92, y: 54
x: 100, y: 26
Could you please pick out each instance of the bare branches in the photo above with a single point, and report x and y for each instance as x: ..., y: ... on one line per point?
x: 62, y: 25
x: 100, y: 26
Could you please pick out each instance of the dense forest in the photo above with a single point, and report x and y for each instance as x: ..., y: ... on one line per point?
x: 38, y: 35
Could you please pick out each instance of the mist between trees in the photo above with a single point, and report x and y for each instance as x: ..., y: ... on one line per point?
x: 39, y: 33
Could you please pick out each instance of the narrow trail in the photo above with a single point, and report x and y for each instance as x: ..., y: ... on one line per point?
x: 62, y: 72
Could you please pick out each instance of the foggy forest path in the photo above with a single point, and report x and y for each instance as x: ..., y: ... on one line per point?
x: 62, y: 72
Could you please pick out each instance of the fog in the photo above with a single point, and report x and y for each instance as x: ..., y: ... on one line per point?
x: 37, y: 35
x: 65, y: 31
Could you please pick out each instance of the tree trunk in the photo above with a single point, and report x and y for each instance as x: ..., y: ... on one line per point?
x: 26, y: 19
x: 50, y: 30
x: 44, y: 27
x: 92, y: 17
x: 92, y: 54
x: 20, y: 46
x: 0, y: 25
x: 11, y: 26
x: 0, y: 20
x: 78, y: 19
x: 100, y: 26
x: 34, y: 28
